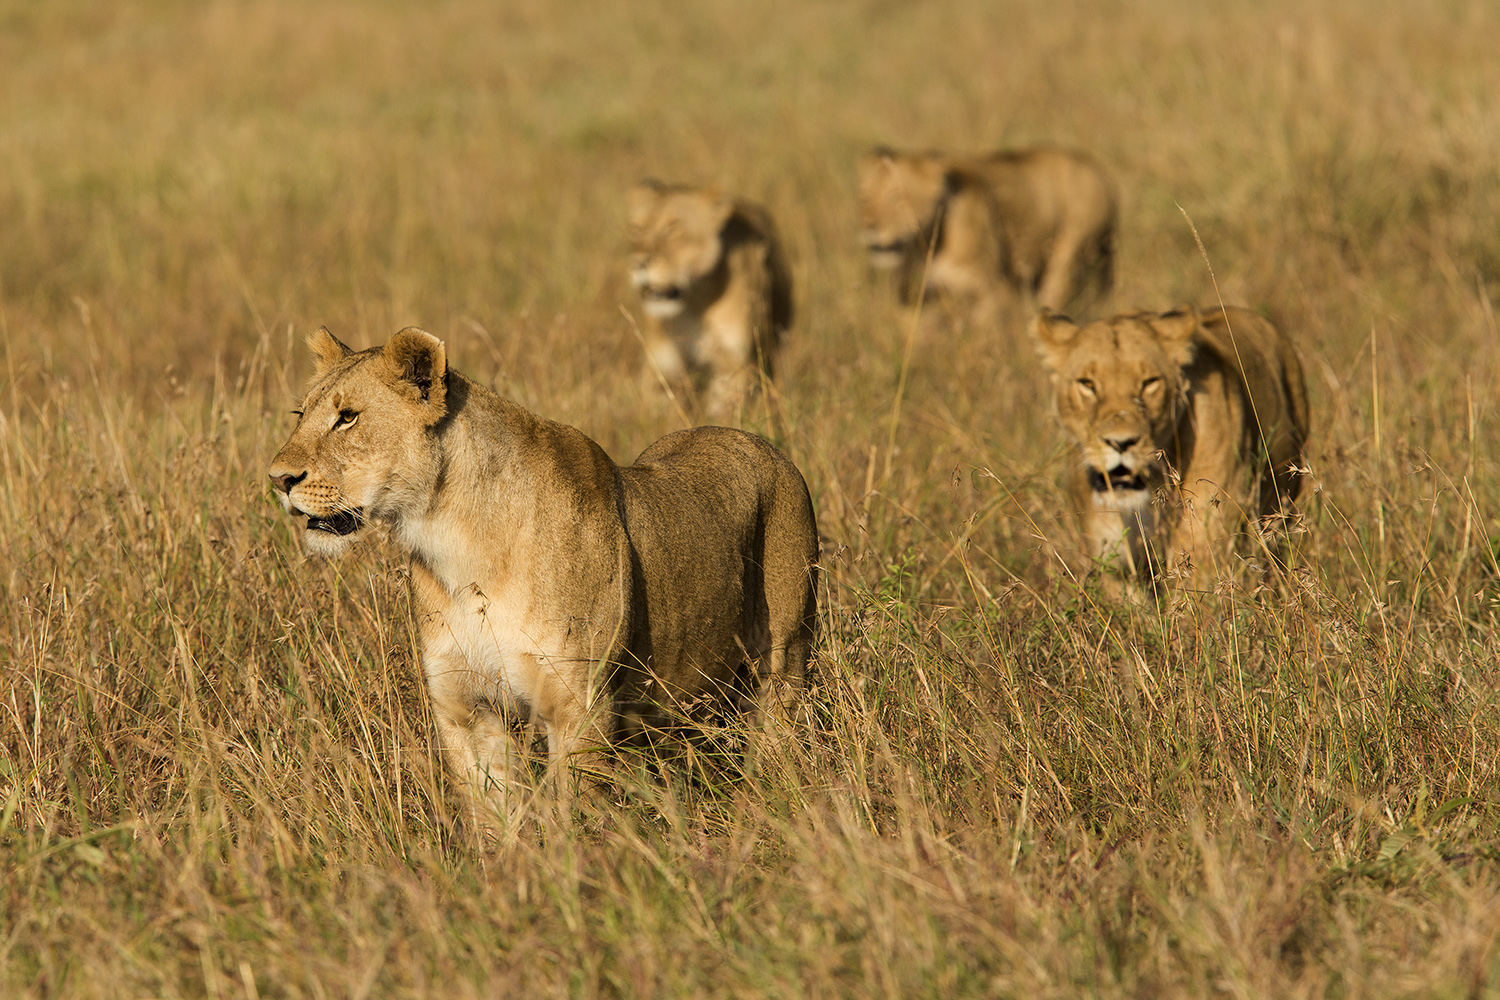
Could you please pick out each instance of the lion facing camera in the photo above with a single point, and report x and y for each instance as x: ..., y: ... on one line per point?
x: 1186, y: 425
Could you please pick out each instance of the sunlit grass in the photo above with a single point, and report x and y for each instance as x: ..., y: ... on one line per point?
x: 217, y: 777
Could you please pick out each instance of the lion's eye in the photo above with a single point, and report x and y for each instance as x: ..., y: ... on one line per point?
x: 297, y: 414
x: 1087, y: 385
x: 346, y: 419
x: 1150, y: 385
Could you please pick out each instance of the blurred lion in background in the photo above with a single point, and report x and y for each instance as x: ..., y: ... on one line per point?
x: 715, y: 290
x: 1036, y: 225
x: 1186, y: 426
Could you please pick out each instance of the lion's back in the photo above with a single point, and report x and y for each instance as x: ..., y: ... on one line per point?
x: 714, y: 481
x: 1263, y: 361
x: 726, y: 544
x: 1048, y: 188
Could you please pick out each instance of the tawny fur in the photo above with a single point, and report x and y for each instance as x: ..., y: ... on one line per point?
x: 1186, y: 425
x: 715, y: 290
x: 550, y: 585
x: 1032, y: 227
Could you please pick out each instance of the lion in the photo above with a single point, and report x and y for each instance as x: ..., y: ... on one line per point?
x: 715, y: 290
x: 551, y: 587
x: 1186, y: 424
x: 1038, y: 224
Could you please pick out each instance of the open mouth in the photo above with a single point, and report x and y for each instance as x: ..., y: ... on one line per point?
x: 885, y: 256
x: 345, y: 522
x: 663, y: 293
x: 1118, y: 479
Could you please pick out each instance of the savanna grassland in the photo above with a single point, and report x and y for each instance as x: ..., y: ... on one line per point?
x: 216, y: 775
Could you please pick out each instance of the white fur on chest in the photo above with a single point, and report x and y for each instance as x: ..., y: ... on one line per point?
x: 480, y: 646
x: 718, y: 334
x: 480, y: 639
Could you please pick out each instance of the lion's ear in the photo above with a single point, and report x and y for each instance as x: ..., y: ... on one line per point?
x: 1053, y: 333
x: 327, y: 349
x: 875, y: 162
x: 641, y: 199
x: 933, y: 170
x: 722, y: 206
x: 1177, y: 331
x: 420, y: 363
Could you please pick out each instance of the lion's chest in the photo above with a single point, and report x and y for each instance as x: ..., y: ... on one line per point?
x: 482, y: 648
x: 719, y: 332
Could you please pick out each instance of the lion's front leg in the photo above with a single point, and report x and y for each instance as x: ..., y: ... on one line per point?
x: 481, y: 746
x: 727, y: 352
x: 729, y: 387
x: 479, y: 719
x: 664, y: 367
x: 1120, y: 537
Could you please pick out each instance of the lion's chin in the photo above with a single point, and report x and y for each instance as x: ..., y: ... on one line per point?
x: 333, y: 536
x: 662, y: 307
x: 329, y: 545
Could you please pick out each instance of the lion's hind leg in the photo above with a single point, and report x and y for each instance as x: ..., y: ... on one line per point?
x: 1064, y: 283
x: 789, y: 574
x: 1079, y: 273
x: 573, y: 716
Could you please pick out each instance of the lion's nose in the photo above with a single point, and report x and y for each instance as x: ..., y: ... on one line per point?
x: 287, y: 480
x: 1119, y: 442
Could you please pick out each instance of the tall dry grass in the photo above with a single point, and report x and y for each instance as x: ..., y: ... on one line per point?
x: 216, y: 776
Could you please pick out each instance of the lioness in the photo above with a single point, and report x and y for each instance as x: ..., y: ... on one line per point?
x: 549, y: 584
x: 715, y: 290
x: 1186, y: 423
x: 1038, y: 222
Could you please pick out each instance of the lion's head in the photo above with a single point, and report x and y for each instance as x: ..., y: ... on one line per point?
x: 1120, y: 392
x: 899, y: 197
x: 675, y: 241
x: 363, y: 448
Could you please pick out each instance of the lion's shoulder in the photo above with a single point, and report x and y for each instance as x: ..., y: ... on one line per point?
x: 1263, y: 364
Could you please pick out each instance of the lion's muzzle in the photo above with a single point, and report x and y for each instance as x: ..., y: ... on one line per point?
x: 340, y: 522
x: 662, y: 301
x: 885, y: 254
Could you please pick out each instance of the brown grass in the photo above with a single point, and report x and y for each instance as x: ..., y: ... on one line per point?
x: 216, y: 776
